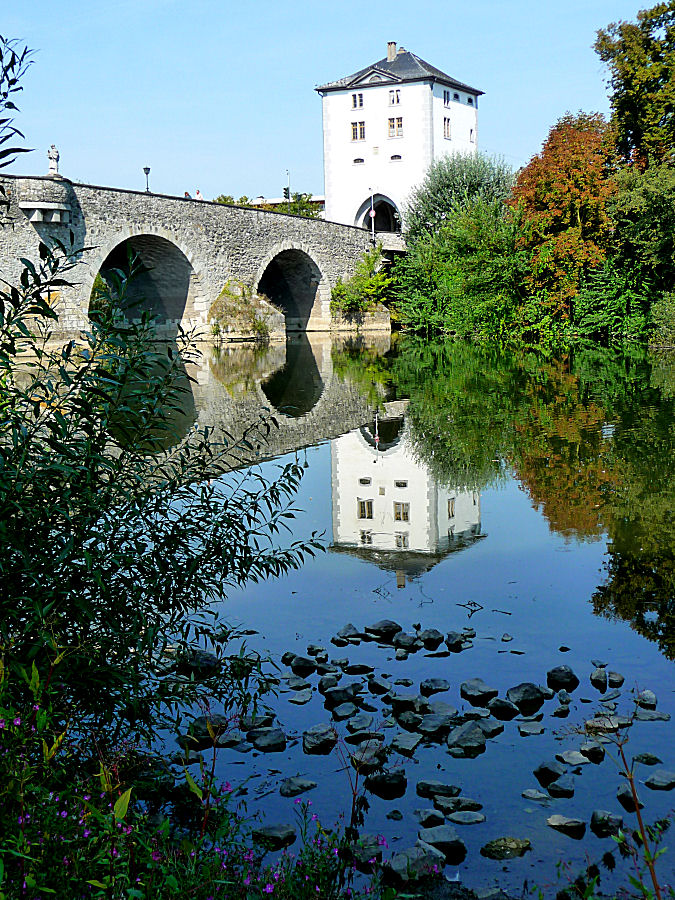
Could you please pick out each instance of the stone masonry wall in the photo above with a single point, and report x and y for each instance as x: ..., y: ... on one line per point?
x: 221, y: 243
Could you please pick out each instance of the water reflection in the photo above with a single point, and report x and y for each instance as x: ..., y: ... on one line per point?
x: 388, y: 507
x: 295, y: 389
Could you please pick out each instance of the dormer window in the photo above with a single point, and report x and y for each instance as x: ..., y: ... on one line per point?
x: 469, y: 100
x: 357, y: 101
x: 394, y: 98
x: 374, y: 79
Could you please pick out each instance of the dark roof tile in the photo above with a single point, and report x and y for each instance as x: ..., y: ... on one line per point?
x: 405, y: 66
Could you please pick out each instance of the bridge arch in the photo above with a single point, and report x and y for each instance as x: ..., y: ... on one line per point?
x: 291, y: 278
x: 387, y: 214
x: 169, y: 285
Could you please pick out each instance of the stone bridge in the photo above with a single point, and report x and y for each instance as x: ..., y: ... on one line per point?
x: 190, y: 251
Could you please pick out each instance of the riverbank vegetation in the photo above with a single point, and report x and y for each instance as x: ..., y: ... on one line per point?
x: 578, y: 246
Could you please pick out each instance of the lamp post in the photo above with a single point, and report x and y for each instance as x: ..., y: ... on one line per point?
x: 146, y: 169
x: 288, y: 189
x: 372, y: 216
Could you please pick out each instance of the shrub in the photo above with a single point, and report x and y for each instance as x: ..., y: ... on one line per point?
x: 368, y: 286
x: 450, y: 183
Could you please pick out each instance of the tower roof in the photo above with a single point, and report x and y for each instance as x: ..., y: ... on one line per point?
x: 403, y: 67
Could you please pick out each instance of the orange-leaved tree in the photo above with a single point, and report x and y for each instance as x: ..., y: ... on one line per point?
x: 564, y: 191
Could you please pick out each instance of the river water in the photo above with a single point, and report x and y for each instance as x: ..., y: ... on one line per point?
x: 527, y: 498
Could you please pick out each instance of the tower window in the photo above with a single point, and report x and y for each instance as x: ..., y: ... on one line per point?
x: 446, y: 128
x: 358, y: 160
x: 451, y: 508
x: 394, y: 98
x: 365, y: 480
x: 396, y: 127
x: 396, y: 156
x: 365, y: 508
x: 401, y: 512
x: 400, y: 484
x: 469, y: 100
x: 357, y: 101
x: 455, y: 96
x: 446, y: 98
x: 358, y: 131
x: 472, y: 137
x: 402, y: 540
x: 366, y: 537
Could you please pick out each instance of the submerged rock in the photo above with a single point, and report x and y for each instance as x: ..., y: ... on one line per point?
x: 572, y: 758
x: 466, y: 817
x: 506, y: 848
x: 605, y: 824
x: 301, y: 697
x: 562, y: 787
x: 275, y: 837
x: 615, y: 679
x: 406, y: 744
x: 427, y: 818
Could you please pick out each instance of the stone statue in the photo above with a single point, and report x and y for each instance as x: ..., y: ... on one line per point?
x: 53, y: 157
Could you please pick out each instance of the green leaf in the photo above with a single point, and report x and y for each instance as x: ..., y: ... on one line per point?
x: 194, y: 787
x: 98, y: 884
x: 122, y: 804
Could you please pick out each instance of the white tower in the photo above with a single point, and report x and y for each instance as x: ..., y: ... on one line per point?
x: 382, y: 128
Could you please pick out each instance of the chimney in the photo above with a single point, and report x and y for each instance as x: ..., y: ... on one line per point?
x: 391, y: 51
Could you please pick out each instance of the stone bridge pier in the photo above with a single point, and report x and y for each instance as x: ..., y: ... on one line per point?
x: 191, y: 253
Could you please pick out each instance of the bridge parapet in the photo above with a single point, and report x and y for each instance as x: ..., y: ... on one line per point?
x: 192, y: 249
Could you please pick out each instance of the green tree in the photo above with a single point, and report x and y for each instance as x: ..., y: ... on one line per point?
x: 368, y: 286
x: 452, y: 182
x: 641, y: 60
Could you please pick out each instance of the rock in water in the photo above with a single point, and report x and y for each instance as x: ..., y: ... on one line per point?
x: 477, y: 692
x: 502, y: 709
x: 415, y: 862
x: 387, y: 785
x: 433, y: 686
x: 599, y: 680
x: 661, y: 780
x: 549, y: 771
x: 445, y: 839
x: 604, y: 824
x: 506, y: 848
x: 431, y: 789
x: 295, y: 785
x: 528, y: 697
x: 562, y: 678
x: 275, y: 837
x: 267, y: 740
x: 574, y: 828
x: 319, y: 739
x: 467, y: 740
x: 384, y: 630
x: 625, y: 797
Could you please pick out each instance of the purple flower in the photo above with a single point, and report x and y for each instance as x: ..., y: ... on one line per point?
x: 2, y: 724
x: 17, y: 720
x: 156, y: 855
x: 86, y: 833
x: 268, y: 889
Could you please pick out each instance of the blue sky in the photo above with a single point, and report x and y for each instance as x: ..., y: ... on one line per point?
x: 220, y: 95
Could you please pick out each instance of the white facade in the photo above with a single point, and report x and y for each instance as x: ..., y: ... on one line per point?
x: 385, y: 500
x: 383, y: 127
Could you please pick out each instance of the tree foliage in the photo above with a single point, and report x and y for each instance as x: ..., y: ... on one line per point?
x: 564, y: 192
x: 450, y: 183
x: 368, y: 286
x: 641, y: 60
